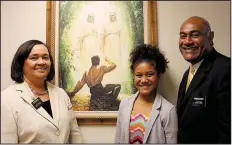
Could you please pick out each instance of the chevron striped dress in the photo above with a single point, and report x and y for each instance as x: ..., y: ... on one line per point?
x: 138, y: 123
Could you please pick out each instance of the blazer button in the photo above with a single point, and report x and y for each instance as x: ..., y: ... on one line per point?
x: 57, y: 132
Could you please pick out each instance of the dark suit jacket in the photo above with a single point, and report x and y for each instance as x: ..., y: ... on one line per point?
x: 204, y: 110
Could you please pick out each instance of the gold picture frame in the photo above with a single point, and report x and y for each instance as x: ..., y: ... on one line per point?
x: 150, y: 37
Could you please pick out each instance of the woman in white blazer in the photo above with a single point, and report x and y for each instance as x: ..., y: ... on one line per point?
x: 146, y: 116
x: 32, y: 109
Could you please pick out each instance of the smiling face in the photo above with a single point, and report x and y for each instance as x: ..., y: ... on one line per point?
x: 38, y: 63
x: 195, y: 39
x: 146, y: 78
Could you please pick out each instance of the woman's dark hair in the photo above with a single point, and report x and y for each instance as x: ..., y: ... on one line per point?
x: 21, y: 55
x: 148, y: 53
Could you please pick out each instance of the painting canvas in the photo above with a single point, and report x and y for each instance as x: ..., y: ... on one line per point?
x: 81, y: 32
x: 106, y: 29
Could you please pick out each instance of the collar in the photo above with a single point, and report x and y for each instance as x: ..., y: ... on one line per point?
x: 157, y: 101
x: 24, y: 87
x: 197, y: 65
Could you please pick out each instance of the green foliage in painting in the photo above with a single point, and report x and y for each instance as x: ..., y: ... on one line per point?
x: 134, y: 18
x: 135, y: 15
x: 66, y: 12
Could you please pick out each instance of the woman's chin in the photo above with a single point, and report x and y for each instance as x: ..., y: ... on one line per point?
x: 145, y: 92
x: 43, y: 77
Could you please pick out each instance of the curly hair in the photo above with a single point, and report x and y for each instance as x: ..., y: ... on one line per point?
x: 148, y: 53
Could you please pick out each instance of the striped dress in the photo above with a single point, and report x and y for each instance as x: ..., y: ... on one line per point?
x: 138, y: 123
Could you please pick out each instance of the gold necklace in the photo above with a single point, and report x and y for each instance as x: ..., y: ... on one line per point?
x: 39, y: 93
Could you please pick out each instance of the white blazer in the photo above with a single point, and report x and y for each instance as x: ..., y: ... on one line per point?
x: 162, y: 125
x: 22, y: 123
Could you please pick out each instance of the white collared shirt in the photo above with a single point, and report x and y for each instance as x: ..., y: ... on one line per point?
x: 196, y: 66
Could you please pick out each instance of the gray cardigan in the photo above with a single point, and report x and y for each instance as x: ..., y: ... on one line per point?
x: 162, y: 126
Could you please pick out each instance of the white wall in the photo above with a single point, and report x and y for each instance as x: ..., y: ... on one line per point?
x: 21, y: 21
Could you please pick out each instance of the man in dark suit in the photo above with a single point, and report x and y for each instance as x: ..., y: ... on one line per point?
x: 204, y: 97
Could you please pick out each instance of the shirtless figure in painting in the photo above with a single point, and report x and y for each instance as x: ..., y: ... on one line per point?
x: 102, y: 98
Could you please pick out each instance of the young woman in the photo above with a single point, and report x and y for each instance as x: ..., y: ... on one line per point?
x: 146, y: 117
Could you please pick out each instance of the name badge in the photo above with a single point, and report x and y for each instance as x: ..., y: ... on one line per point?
x: 199, y: 101
x: 37, y: 103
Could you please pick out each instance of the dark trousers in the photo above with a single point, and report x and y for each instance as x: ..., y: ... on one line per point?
x: 104, y: 98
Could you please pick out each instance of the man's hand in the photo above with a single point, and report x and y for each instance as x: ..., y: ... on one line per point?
x: 107, y: 59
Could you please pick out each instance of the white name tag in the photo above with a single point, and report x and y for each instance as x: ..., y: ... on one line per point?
x: 199, y: 101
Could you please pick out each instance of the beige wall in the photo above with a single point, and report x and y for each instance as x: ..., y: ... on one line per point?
x: 21, y: 21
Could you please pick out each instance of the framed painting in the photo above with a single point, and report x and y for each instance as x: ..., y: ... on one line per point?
x: 90, y: 42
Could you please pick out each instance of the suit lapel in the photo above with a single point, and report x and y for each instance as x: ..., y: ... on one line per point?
x: 127, y: 116
x: 54, y: 100
x: 182, y: 89
x: 197, y: 79
x: 28, y: 96
x: 153, y: 116
x: 200, y: 75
